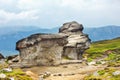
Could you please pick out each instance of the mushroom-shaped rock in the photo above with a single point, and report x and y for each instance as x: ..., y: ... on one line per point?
x: 49, y: 49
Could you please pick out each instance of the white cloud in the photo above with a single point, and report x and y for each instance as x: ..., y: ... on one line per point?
x: 6, y: 17
x: 55, y: 12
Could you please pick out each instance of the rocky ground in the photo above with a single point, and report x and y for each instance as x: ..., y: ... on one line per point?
x: 97, y: 69
x: 74, y: 71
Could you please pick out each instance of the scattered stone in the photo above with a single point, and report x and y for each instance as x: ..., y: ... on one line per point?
x: 7, y: 69
x: 10, y: 62
x: 92, y: 63
x: 103, y: 62
x: 2, y: 61
x: 41, y: 77
x: 96, y: 73
x: 58, y: 74
x: 116, y: 73
x: 65, y: 66
x: 2, y: 75
x: 11, y: 78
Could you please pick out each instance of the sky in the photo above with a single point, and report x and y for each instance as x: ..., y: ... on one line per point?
x: 53, y: 13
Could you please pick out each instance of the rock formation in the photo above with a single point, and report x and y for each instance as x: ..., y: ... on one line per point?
x: 49, y: 49
x: 1, y: 56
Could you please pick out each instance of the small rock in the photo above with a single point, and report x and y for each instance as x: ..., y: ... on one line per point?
x: 11, y: 78
x: 2, y: 61
x: 41, y: 77
x: 116, y: 73
x: 47, y: 73
x: 2, y: 75
x: 103, y: 62
x: 91, y: 63
x: 10, y: 62
x: 58, y: 74
x: 95, y: 73
x: 7, y: 69
x: 65, y: 66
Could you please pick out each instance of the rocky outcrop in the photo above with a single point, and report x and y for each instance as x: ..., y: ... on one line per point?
x: 1, y: 56
x: 49, y: 49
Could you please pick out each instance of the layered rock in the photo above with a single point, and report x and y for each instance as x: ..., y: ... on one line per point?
x: 78, y: 42
x: 49, y: 49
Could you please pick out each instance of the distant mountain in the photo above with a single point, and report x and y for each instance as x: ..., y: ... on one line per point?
x: 9, y: 37
x: 103, y: 33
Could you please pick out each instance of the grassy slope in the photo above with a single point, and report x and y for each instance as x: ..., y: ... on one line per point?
x: 99, y: 47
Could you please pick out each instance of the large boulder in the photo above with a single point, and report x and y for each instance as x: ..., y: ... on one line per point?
x: 49, y: 49
x: 41, y: 49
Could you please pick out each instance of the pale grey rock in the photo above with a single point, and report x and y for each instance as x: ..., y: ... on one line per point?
x: 49, y: 49
x: 11, y: 78
x: 78, y: 42
x: 92, y: 63
x: 2, y: 76
x: 96, y: 73
x: 116, y: 73
x: 2, y: 61
x: 71, y: 27
x: 41, y: 49
x: 7, y: 69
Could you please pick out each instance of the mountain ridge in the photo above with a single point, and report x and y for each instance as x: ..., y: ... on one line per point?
x: 8, y: 40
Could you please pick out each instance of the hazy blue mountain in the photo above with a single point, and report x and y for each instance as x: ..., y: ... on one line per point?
x: 9, y: 37
x: 102, y: 33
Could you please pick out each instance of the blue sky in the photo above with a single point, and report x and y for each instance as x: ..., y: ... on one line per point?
x: 53, y: 13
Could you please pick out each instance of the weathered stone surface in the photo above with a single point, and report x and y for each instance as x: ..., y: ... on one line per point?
x: 48, y: 49
x: 78, y: 42
x: 71, y: 27
x: 11, y: 57
x: 41, y: 49
x: 1, y: 56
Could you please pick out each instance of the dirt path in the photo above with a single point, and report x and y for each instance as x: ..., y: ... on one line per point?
x: 75, y: 71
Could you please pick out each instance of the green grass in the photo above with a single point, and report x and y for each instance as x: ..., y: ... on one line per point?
x: 105, y: 74
x: 109, y: 50
x: 17, y: 74
x: 98, y: 48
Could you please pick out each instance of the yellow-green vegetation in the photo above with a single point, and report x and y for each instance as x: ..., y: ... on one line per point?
x: 113, y: 59
x: 105, y: 74
x: 17, y: 74
x: 97, y: 49
x: 108, y: 51
x: 3, y: 66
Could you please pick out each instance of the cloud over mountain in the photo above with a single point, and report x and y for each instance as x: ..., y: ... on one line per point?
x: 51, y: 13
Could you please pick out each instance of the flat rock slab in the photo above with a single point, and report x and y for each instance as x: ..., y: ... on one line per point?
x: 70, y: 61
